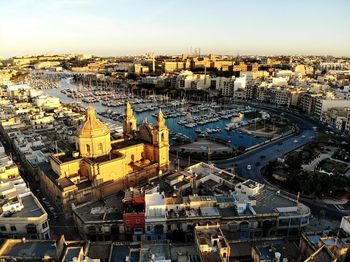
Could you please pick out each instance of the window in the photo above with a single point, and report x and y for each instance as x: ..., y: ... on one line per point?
x: 137, y: 221
x: 45, y: 225
x: 162, y: 137
x: 13, y: 228
x: 88, y: 149
x: 2, y: 228
x: 100, y: 147
x: 148, y: 228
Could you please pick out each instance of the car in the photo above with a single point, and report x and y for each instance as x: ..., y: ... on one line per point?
x: 262, y: 157
x: 249, y: 167
x: 303, y: 136
x: 280, y: 143
x: 295, y: 141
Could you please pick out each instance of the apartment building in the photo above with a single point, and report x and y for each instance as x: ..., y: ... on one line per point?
x: 245, y: 208
x: 21, y: 214
x: 236, y: 212
x: 323, y: 104
x: 336, y: 117
x: 211, y: 244
x: 224, y: 84
x: 307, y: 101
x: 176, y: 65
x: 278, y: 96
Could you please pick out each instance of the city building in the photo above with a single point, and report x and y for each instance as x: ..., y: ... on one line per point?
x: 100, y: 167
x: 21, y: 214
x: 211, y: 244
x: 322, y: 105
x: 245, y: 207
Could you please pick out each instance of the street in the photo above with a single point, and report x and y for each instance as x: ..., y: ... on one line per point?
x: 249, y: 164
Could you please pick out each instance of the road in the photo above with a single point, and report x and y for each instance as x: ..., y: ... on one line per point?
x: 260, y: 156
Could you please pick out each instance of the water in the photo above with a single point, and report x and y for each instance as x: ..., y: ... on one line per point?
x: 234, y: 137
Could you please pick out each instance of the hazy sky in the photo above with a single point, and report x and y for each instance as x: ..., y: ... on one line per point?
x: 128, y: 27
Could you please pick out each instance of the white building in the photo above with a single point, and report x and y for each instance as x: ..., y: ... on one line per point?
x: 187, y: 79
x: 322, y: 104
x: 284, y: 73
x: 21, y: 214
x: 225, y: 85
x: 279, y: 81
x: 47, y: 102
x: 240, y: 83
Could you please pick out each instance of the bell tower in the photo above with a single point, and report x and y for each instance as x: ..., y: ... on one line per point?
x: 161, y: 142
x: 129, y: 125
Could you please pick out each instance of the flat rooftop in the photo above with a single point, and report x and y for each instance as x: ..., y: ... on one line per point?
x: 268, y: 201
x: 107, y: 209
x: 126, y: 143
x: 67, y: 157
x: 159, y: 248
x: 31, y: 208
x: 113, y: 155
x: 119, y: 253
x: 38, y: 249
x: 99, y: 250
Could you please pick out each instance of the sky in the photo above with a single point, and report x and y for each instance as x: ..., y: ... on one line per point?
x: 134, y: 27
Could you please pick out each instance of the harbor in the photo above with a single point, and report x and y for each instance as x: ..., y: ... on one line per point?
x: 186, y: 120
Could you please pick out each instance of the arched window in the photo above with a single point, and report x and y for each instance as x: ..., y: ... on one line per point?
x: 162, y: 137
x: 88, y: 149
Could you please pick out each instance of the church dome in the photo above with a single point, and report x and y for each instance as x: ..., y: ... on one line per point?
x: 92, y: 126
x: 94, y: 138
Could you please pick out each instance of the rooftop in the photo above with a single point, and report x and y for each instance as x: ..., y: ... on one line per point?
x: 31, y: 208
x: 99, y: 250
x: 159, y: 249
x: 37, y: 249
x: 269, y: 201
x: 107, y: 209
x: 119, y: 253
x: 126, y: 143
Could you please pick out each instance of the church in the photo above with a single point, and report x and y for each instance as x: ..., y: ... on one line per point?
x: 100, y: 166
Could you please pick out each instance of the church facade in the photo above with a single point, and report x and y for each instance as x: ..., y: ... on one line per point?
x: 100, y: 166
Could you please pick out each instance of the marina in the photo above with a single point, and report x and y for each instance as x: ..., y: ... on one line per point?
x: 187, y: 121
